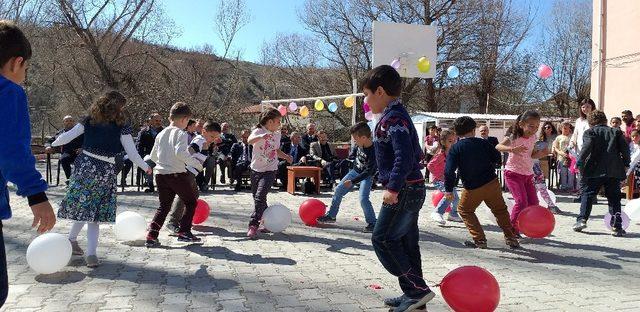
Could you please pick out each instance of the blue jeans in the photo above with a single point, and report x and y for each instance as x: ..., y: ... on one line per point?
x: 395, y: 240
x: 444, y: 202
x: 365, y: 203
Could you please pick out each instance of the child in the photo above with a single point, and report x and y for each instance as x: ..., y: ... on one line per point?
x: 265, y: 139
x: 475, y: 160
x: 365, y: 167
x: 634, y: 150
x: 171, y: 154
x: 602, y: 161
x: 398, y: 155
x: 616, y: 122
x: 541, y: 183
x: 560, y: 148
x: 518, y: 171
x: 17, y: 163
x: 199, y: 149
x: 436, y: 170
x: 91, y: 196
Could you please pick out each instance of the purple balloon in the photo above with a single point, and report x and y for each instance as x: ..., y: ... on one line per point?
x: 395, y: 64
x: 625, y: 220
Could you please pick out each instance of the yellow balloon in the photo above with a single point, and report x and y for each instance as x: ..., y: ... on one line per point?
x: 349, y: 101
x: 319, y: 105
x: 304, y: 111
x: 423, y: 64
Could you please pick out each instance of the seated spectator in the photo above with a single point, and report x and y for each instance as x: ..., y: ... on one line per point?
x: 241, y: 153
x: 324, y: 155
x: 293, y: 149
x: 308, y: 138
x: 146, y: 139
x: 224, y: 152
x: 69, y: 151
x: 191, y: 130
x: 285, y: 140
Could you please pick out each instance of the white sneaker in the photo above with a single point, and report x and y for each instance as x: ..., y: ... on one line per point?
x: 435, y: 216
x: 454, y: 219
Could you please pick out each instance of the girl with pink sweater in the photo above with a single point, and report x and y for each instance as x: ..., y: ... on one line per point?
x: 436, y: 174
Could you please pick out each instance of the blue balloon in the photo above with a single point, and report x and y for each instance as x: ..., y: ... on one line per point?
x: 453, y: 72
x: 333, y: 107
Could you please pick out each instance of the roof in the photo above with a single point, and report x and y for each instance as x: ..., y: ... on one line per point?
x: 432, y: 116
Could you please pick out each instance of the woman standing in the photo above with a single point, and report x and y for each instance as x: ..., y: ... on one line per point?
x: 582, y: 125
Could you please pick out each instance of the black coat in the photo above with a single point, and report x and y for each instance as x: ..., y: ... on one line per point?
x: 493, y: 140
x: 236, y: 152
x: 146, y: 139
x: 301, y: 152
x: 604, y: 154
x: 69, y: 148
x: 228, y: 140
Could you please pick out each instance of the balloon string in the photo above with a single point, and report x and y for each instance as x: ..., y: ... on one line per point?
x: 406, y: 275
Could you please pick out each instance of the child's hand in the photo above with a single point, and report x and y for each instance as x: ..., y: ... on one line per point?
x: 448, y: 196
x: 289, y: 159
x: 389, y: 198
x: 347, y: 184
x: 149, y: 171
x: 518, y: 149
x: 43, y: 217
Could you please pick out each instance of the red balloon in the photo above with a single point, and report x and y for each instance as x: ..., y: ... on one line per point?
x: 436, y: 197
x: 310, y: 210
x: 202, y: 212
x: 536, y: 221
x: 470, y: 288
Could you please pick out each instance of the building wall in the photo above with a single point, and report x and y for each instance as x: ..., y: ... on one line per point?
x: 621, y: 43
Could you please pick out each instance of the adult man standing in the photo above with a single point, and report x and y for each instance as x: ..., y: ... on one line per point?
x: 241, y: 153
x: 224, y: 150
x: 628, y: 120
x: 294, y: 149
x: 146, y: 139
x: 69, y: 151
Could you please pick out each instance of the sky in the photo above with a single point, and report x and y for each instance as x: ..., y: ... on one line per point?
x: 195, y: 18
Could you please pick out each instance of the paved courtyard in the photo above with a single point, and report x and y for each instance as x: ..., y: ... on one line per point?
x: 332, y: 268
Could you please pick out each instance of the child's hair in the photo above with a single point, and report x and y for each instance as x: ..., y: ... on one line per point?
x: 597, y: 117
x: 443, y: 138
x: 616, y: 118
x: 361, y: 129
x: 586, y: 101
x: 383, y: 76
x: 191, y: 122
x: 211, y: 126
x: 543, y: 134
x: 463, y: 125
x: 567, y: 123
x: 108, y: 108
x: 634, y: 132
x: 433, y: 127
x: 13, y: 43
x: 268, y: 114
x: 179, y: 110
x: 517, y: 131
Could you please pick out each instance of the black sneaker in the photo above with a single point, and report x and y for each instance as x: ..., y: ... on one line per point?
x: 326, y: 219
x: 512, y: 243
x: 188, y: 237
x: 369, y: 228
x: 152, y: 243
x: 580, y: 225
x: 410, y: 304
x: 148, y: 190
x: 394, y: 302
x: 618, y: 232
x: 174, y: 228
x: 479, y: 245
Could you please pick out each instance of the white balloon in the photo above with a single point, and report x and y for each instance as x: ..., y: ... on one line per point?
x: 276, y: 218
x: 130, y: 226
x: 49, y: 253
x: 632, y: 209
x: 541, y: 200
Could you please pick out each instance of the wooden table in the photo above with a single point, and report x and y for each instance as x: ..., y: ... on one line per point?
x: 295, y: 172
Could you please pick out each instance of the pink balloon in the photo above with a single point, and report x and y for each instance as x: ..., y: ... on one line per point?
x: 366, y: 107
x: 544, y: 71
x: 282, y: 109
x: 368, y: 115
x: 625, y: 220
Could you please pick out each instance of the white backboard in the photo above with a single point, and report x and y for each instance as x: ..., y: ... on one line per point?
x: 407, y: 43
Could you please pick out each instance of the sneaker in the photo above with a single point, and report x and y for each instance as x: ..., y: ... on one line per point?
x: 394, y: 302
x: 438, y: 218
x: 409, y: 304
x: 252, y: 233
x: 518, y: 236
x: 223, y: 181
x: 188, y: 237
x: 327, y: 219
x: 369, y: 228
x: 204, y: 188
x: 479, y: 245
x: 454, y: 218
x: 148, y: 190
x: 264, y: 230
x: 577, y: 199
x: 174, y: 228
x: 75, y: 248
x: 618, y: 232
x: 512, y: 243
x: 555, y: 210
x: 152, y: 243
x: 92, y: 261
x: 580, y: 225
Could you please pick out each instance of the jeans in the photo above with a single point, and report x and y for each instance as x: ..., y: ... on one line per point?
x: 444, y: 202
x: 4, y: 279
x: 395, y: 240
x: 65, y: 162
x: 567, y: 179
x: 612, y: 192
x: 523, y: 192
x: 365, y: 203
x: 261, y: 183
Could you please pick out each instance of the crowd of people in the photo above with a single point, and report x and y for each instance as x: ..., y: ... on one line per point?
x: 179, y: 160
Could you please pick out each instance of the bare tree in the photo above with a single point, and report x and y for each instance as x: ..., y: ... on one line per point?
x: 232, y: 15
